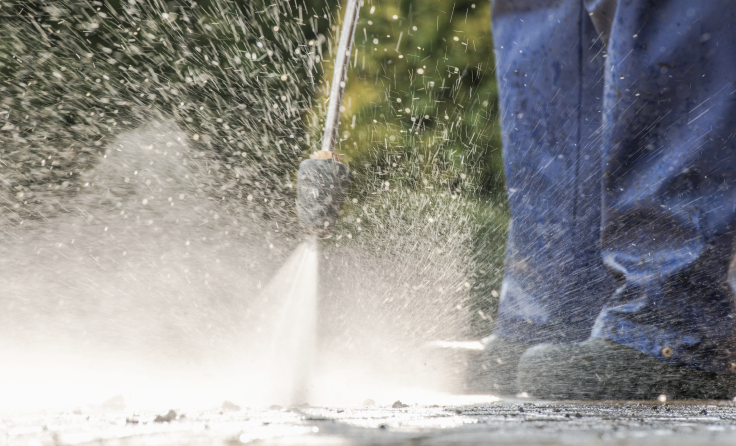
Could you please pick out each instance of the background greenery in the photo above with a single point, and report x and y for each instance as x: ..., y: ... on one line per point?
x: 248, y: 81
x: 423, y: 76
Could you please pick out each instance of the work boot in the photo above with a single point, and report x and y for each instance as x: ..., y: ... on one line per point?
x: 493, y: 369
x: 599, y: 369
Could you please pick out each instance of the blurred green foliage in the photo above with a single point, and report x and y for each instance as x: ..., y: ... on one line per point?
x: 421, y: 90
x: 421, y: 85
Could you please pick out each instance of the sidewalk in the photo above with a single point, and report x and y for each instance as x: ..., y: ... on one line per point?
x: 517, y: 422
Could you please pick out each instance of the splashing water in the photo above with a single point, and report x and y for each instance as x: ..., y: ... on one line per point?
x: 292, y: 332
x: 147, y: 181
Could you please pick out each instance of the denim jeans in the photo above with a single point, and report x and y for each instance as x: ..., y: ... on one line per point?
x: 619, y: 136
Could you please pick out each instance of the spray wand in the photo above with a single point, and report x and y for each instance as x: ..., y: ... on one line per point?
x: 323, y: 181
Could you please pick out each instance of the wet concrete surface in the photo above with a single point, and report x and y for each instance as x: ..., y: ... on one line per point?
x: 511, y: 422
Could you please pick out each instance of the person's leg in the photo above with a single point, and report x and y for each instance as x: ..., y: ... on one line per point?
x: 549, y: 64
x: 670, y: 181
x: 669, y: 205
x: 549, y: 68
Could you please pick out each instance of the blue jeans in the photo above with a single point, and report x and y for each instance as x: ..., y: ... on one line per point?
x: 619, y: 136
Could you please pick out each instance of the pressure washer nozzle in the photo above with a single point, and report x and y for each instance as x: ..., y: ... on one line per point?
x: 322, y: 186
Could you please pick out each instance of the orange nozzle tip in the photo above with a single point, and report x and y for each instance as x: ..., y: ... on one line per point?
x: 325, y: 155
